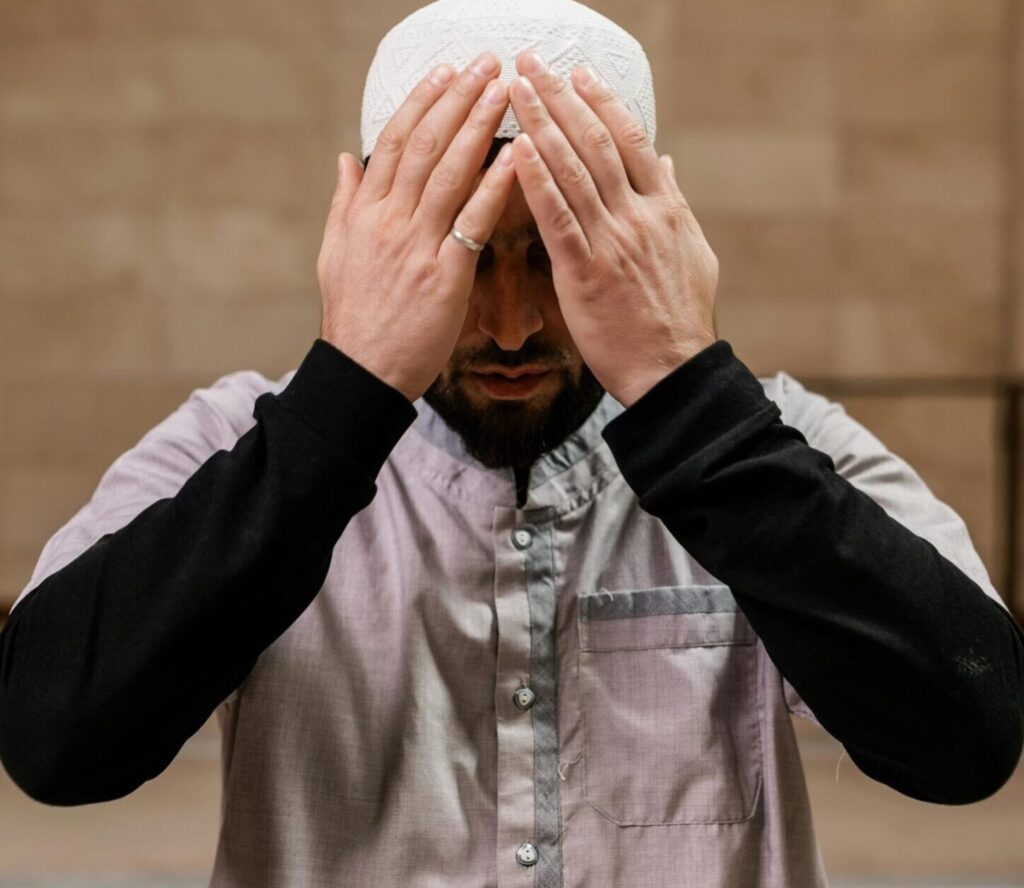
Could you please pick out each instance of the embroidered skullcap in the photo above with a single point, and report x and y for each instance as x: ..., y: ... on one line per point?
x: 563, y: 32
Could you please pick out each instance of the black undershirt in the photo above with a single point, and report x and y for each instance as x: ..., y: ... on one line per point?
x: 109, y: 665
x: 522, y: 476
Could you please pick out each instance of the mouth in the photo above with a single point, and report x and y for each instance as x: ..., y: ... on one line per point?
x: 513, y: 372
x: 505, y: 382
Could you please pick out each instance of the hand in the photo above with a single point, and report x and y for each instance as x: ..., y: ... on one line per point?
x: 634, y: 275
x: 394, y: 285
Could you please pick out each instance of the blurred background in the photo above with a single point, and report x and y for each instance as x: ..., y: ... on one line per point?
x: 165, y: 172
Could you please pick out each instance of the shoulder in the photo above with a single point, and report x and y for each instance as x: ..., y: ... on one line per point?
x: 860, y: 457
x: 824, y: 423
x: 800, y: 407
x: 216, y: 415
x: 209, y: 419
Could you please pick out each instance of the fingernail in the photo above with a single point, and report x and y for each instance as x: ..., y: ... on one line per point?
x: 533, y: 63
x: 529, y: 149
x: 505, y: 155
x: 526, y: 91
x: 495, y: 93
x: 442, y: 75
x: 486, y: 64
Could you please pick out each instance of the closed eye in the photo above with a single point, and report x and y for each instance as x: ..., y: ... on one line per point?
x: 536, y: 253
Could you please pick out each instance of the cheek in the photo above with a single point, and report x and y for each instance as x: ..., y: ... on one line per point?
x: 554, y: 322
x: 553, y: 315
x: 471, y: 324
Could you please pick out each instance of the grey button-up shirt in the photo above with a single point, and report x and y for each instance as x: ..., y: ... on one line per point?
x: 485, y: 695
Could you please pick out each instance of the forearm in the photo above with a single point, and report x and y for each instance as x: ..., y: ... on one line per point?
x: 112, y: 662
x: 899, y: 654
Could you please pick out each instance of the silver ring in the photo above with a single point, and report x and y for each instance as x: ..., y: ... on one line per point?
x: 467, y: 242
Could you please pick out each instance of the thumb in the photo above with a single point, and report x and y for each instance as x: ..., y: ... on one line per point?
x: 670, y: 167
x: 350, y: 176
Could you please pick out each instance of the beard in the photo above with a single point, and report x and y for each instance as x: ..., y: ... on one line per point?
x: 515, y: 433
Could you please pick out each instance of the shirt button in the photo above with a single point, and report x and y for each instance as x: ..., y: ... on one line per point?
x: 522, y: 537
x: 523, y: 698
x: 526, y: 854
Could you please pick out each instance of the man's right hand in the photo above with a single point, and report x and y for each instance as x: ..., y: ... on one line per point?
x: 394, y: 285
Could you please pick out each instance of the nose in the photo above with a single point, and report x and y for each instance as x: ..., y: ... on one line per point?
x: 509, y: 314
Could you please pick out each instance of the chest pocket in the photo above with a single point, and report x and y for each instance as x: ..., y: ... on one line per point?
x: 668, y: 687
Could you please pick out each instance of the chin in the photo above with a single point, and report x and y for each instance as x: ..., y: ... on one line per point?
x: 514, y: 432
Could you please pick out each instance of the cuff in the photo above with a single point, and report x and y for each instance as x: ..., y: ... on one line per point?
x: 356, y: 412
x: 703, y: 408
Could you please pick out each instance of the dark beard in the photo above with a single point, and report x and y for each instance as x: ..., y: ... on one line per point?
x: 514, y: 434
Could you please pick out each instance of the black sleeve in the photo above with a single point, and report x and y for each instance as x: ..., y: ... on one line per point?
x: 899, y: 655
x: 110, y: 664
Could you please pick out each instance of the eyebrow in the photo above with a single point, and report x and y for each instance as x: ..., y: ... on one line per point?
x: 526, y: 231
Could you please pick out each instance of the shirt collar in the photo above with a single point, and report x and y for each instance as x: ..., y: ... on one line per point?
x: 561, y: 475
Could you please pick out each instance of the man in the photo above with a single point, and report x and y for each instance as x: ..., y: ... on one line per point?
x: 553, y: 633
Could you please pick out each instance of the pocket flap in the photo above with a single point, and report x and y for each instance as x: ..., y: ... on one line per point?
x: 661, y: 617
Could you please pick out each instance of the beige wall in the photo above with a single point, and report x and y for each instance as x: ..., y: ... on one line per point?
x: 165, y: 170
x: 1016, y: 134
x: 1016, y: 259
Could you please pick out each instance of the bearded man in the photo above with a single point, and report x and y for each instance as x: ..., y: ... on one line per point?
x: 518, y: 579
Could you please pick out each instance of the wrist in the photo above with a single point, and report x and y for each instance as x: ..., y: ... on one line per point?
x: 378, y: 368
x: 643, y: 382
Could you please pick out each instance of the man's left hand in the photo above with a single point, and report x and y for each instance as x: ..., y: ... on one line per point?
x: 634, y: 274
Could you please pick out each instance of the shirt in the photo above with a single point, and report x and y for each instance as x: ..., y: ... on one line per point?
x: 421, y: 681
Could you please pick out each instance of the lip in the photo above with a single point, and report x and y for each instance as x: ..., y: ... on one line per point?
x: 513, y: 372
x: 502, y: 386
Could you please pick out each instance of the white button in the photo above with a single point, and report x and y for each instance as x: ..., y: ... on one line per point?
x: 523, y: 698
x: 522, y: 537
x: 526, y: 854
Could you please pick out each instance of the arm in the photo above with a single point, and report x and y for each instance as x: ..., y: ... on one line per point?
x: 112, y: 662
x: 899, y: 654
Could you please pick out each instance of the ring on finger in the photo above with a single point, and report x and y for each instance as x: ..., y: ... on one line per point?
x: 467, y: 242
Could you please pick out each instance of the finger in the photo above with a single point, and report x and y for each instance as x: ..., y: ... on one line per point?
x: 452, y: 179
x: 479, y: 217
x: 391, y: 142
x: 586, y: 132
x: 692, y: 225
x: 670, y: 167
x: 559, y: 228
x: 569, y: 172
x: 630, y: 135
x: 434, y: 133
x: 350, y: 174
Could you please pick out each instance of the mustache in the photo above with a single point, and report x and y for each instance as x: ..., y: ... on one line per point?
x: 531, y: 353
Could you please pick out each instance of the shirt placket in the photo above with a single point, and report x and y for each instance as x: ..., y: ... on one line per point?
x: 528, y: 834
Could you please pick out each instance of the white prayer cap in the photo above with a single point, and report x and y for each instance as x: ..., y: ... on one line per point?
x: 562, y: 32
